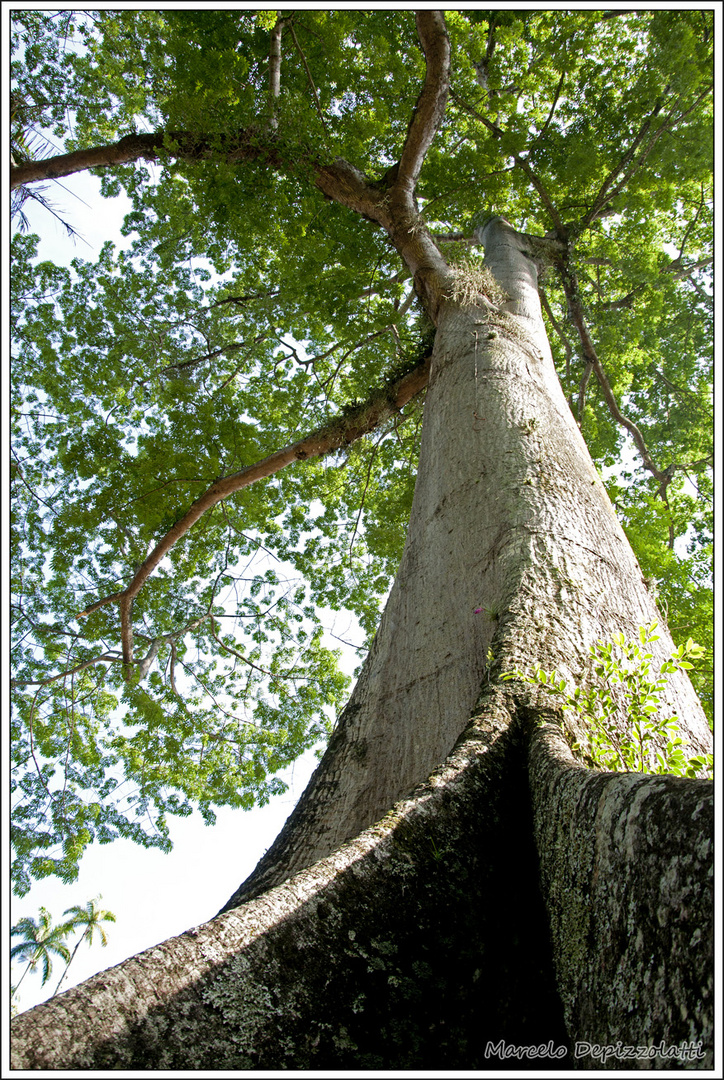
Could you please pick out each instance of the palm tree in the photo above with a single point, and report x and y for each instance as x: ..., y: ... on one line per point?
x: 41, y: 939
x: 91, y: 916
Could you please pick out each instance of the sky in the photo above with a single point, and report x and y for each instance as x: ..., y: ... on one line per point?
x: 154, y: 896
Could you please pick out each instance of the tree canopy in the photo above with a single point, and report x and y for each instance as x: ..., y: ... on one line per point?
x: 249, y: 375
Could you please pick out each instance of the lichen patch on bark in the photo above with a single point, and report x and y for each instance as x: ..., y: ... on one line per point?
x: 626, y: 872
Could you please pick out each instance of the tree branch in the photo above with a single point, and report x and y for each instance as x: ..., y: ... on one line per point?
x: 522, y: 164
x: 309, y: 76
x: 585, y: 378
x: 557, y: 327
x: 233, y: 347
x: 629, y: 164
x: 430, y: 107
x: 144, y: 666
x: 236, y: 148
x: 275, y: 64
x: 249, y: 663
x: 575, y: 309
x: 338, y: 180
x: 107, y: 658
x: 674, y: 270
x: 552, y: 109
x: 342, y: 431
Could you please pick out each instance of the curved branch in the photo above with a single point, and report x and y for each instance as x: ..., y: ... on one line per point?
x: 343, y: 430
x: 338, y: 180
x: 144, y: 666
x: 107, y: 658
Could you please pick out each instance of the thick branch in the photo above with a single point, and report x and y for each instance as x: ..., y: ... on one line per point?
x: 430, y: 107
x: 339, y: 180
x: 275, y: 63
x: 133, y: 148
x: 341, y: 431
x: 391, y: 205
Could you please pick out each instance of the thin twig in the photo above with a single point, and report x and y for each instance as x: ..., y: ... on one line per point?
x: 309, y: 76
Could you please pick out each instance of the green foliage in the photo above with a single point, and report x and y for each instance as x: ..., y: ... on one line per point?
x: 248, y: 310
x: 89, y: 919
x: 622, y: 684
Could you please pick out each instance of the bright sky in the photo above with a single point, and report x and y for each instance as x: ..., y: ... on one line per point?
x: 153, y: 896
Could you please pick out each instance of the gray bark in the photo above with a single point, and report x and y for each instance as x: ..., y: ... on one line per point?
x: 387, y: 954
x: 425, y: 937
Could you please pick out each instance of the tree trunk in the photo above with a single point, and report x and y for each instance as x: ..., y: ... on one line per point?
x: 509, y: 515
x: 627, y: 877
x: 424, y: 941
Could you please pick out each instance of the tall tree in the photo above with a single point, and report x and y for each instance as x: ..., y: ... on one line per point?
x: 40, y: 940
x: 296, y: 283
x: 90, y: 918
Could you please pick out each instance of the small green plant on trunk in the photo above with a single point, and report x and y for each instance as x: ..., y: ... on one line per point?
x: 651, y: 743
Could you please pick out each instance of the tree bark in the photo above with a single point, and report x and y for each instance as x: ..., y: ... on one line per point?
x: 387, y: 954
x: 423, y: 941
x: 627, y: 876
